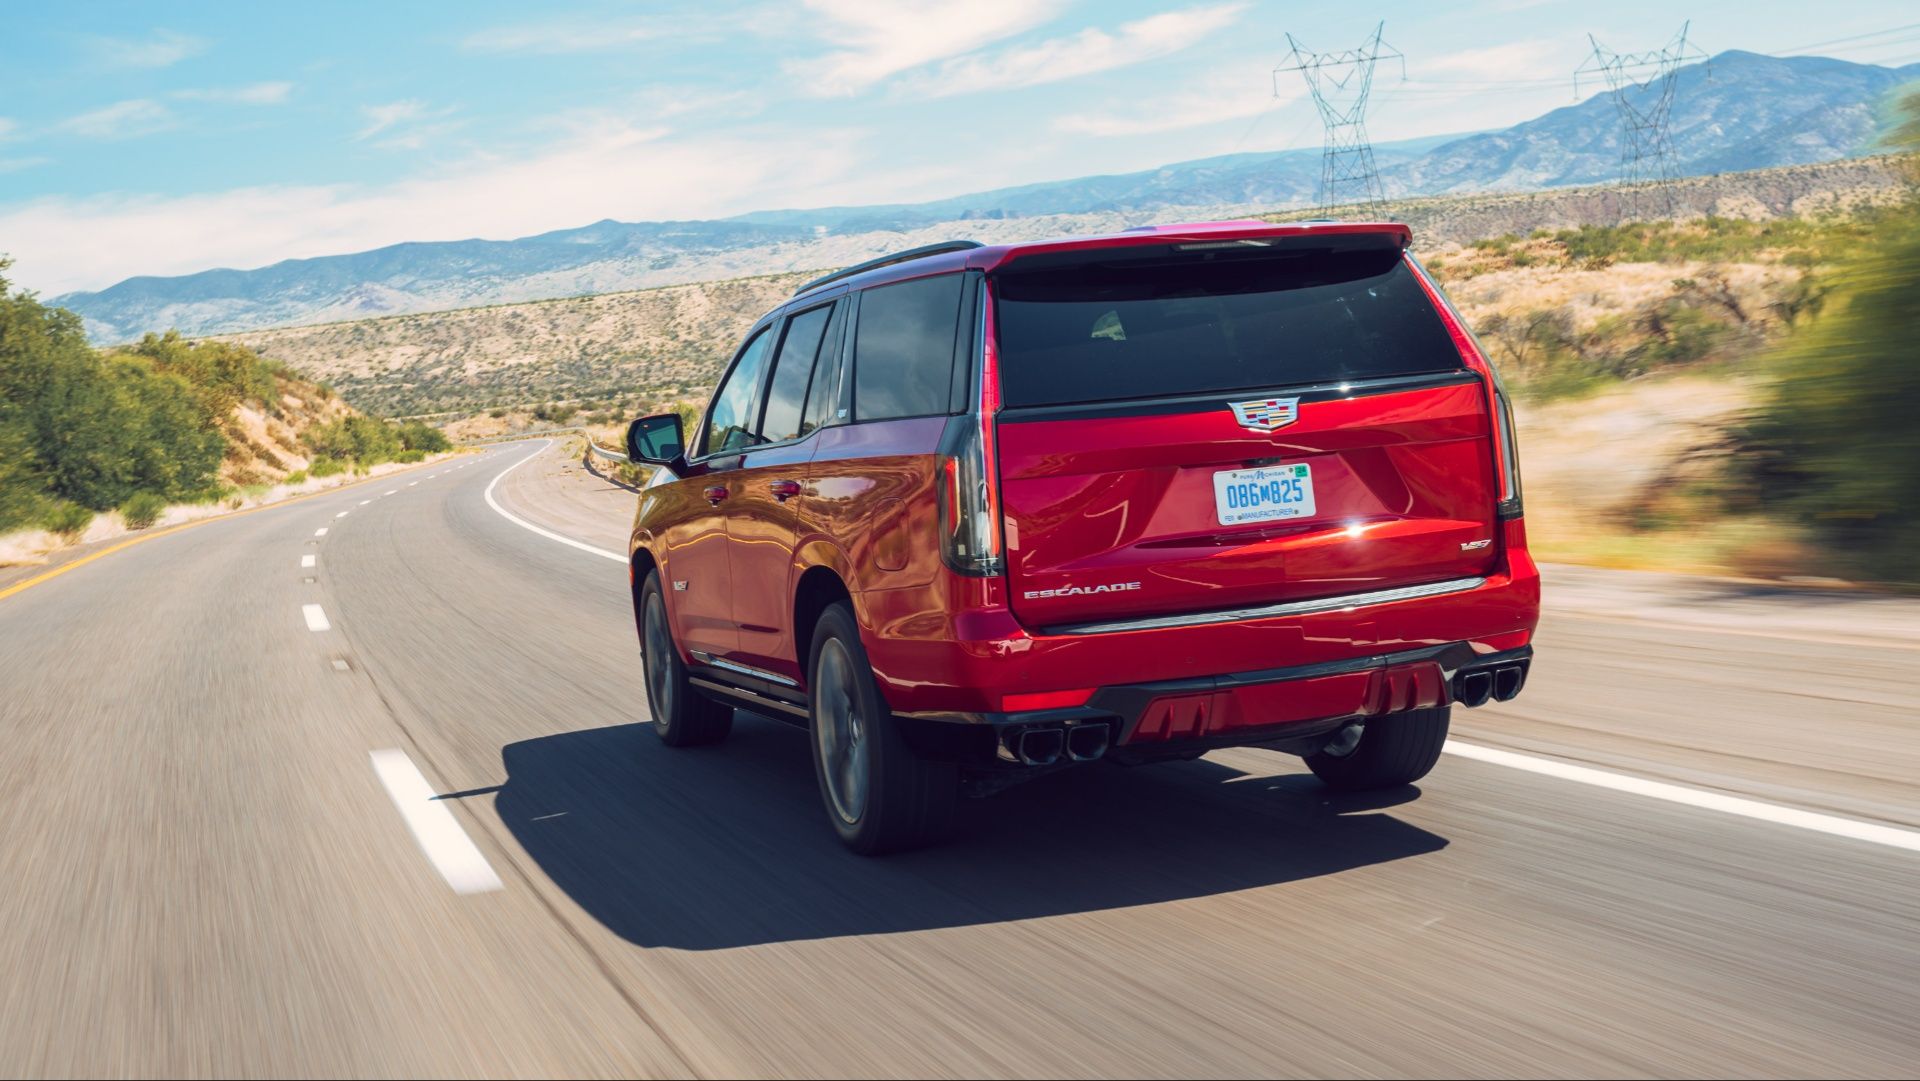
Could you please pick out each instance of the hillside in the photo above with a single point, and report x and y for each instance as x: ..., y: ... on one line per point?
x: 669, y: 341
x: 1742, y: 111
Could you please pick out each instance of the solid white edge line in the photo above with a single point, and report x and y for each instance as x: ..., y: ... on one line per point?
x: 524, y: 524
x: 306, y: 561
x: 1853, y: 829
x: 316, y: 617
x: 447, y: 846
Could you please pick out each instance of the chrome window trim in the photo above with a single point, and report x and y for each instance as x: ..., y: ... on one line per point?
x: 1288, y: 608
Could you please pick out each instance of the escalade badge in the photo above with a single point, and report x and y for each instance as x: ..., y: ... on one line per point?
x: 1266, y: 414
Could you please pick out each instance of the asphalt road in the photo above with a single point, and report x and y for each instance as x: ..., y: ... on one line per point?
x: 204, y: 872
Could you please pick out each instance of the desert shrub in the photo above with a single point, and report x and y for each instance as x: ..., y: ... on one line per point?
x: 415, y: 455
x: 298, y: 476
x: 421, y: 436
x: 68, y: 520
x: 360, y: 439
x: 142, y: 509
x: 326, y: 467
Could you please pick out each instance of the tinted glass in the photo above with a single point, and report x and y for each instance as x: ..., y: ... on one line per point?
x: 729, y: 422
x: 787, y: 394
x: 823, y: 397
x: 903, y: 348
x: 1147, y: 328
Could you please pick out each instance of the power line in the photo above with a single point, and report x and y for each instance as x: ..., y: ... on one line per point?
x: 1340, y: 83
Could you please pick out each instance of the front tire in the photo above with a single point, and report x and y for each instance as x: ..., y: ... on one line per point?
x: 682, y: 716
x: 1397, y: 749
x: 880, y: 796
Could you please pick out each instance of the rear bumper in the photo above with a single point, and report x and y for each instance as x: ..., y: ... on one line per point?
x: 1293, y: 707
x: 931, y: 655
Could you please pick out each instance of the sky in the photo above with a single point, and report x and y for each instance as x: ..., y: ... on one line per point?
x: 139, y: 138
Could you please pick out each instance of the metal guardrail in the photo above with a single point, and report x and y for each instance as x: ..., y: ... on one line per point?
x: 610, y: 455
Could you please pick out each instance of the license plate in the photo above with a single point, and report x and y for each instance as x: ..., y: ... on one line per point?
x: 1267, y: 494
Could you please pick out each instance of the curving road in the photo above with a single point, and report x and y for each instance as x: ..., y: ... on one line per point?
x: 390, y: 814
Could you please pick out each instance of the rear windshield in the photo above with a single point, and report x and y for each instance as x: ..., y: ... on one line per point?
x: 1200, y: 323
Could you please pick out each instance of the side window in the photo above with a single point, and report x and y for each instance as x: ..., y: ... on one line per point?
x: 730, y: 420
x: 903, y: 348
x: 823, y: 397
x: 792, y: 371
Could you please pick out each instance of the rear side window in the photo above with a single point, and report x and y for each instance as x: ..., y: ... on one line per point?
x: 903, y: 348
x: 730, y: 421
x: 787, y: 394
x: 1165, y: 325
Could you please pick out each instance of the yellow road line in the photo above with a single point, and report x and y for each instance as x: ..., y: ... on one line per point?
x: 142, y: 538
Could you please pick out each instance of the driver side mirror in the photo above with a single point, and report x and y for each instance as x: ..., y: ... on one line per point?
x: 656, y: 440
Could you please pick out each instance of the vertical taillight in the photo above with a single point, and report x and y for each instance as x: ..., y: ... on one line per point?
x: 970, y: 476
x: 1506, y: 443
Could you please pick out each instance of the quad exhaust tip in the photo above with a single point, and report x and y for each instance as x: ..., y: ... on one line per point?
x: 1048, y: 744
x: 1481, y: 685
x: 1473, y: 688
x: 1507, y: 682
x: 1040, y: 746
x: 1086, y: 742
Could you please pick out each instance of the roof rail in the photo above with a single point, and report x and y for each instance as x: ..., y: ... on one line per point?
x: 909, y: 255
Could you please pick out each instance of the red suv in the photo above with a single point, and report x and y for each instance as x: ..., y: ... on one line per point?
x: 975, y: 513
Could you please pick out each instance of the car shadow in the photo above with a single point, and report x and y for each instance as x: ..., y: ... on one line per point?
x: 726, y: 846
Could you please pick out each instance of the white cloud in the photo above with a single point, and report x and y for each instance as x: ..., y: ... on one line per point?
x: 273, y: 93
x: 14, y: 165
x: 1499, y: 63
x: 879, y: 40
x: 163, y: 48
x: 559, y: 36
x: 1091, y: 50
x: 382, y: 117
x: 6, y: 126
x: 598, y: 169
x: 121, y: 120
x: 1234, y: 92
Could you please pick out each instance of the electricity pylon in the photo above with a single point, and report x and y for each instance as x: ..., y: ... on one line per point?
x: 1340, y: 83
x: 1642, y: 85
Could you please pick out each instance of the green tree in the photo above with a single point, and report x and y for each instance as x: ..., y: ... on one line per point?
x: 1837, y: 444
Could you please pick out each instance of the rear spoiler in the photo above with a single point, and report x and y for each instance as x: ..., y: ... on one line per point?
x: 1224, y: 236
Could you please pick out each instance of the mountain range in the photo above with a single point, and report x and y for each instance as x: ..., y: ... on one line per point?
x: 1735, y: 112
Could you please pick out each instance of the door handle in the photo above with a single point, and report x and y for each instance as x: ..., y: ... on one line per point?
x: 715, y: 493
x: 784, y: 490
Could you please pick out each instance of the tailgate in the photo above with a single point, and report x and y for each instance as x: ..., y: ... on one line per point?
x: 1185, y: 435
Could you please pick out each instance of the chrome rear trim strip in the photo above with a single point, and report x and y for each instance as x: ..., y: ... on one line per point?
x: 1289, y: 608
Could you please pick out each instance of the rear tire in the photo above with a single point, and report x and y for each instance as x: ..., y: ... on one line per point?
x: 880, y: 796
x: 1397, y: 749
x: 682, y: 716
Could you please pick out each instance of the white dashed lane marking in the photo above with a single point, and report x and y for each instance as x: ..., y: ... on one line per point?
x: 389, y: 492
x: 447, y: 846
x: 343, y: 514
x: 364, y: 502
x: 321, y: 532
x: 1833, y: 825
x: 316, y: 617
x: 307, y: 561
